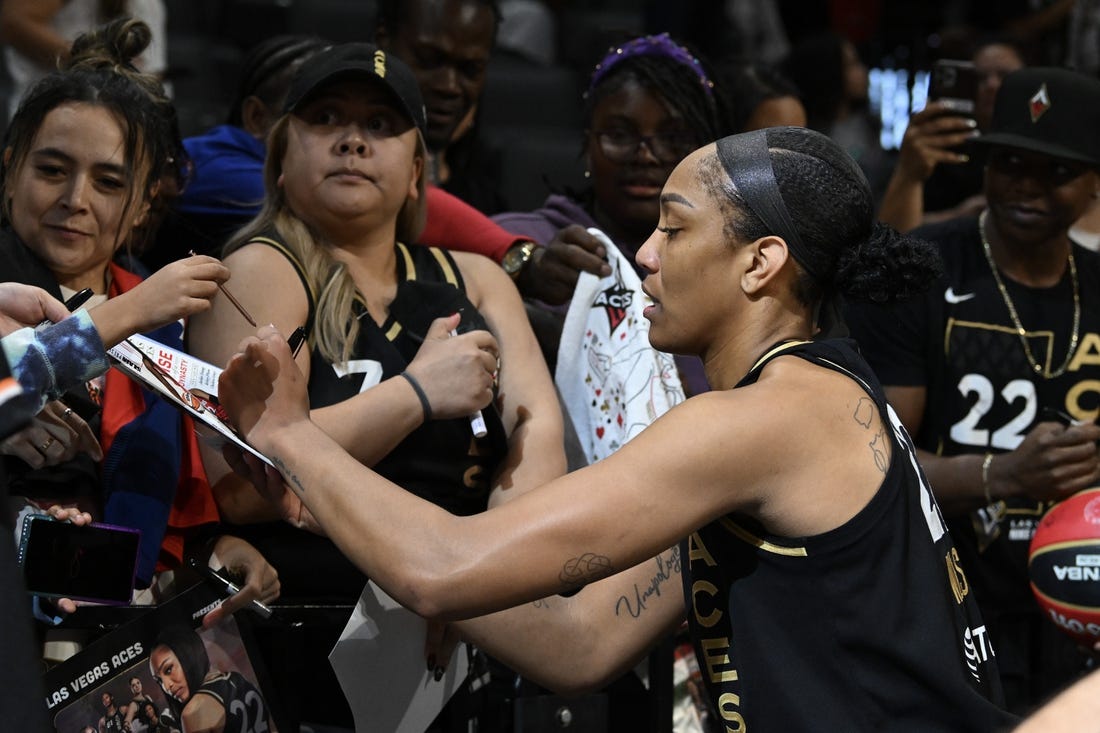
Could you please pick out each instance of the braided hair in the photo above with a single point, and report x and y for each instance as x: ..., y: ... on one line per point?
x: 267, y: 70
x: 675, y: 84
x: 833, y: 213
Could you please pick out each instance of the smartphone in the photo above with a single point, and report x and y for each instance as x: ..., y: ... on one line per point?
x: 954, y: 83
x: 91, y: 562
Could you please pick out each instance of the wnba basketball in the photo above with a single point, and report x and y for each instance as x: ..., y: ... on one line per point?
x: 1064, y: 565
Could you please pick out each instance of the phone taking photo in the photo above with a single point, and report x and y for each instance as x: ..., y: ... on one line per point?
x: 90, y: 562
x: 954, y: 83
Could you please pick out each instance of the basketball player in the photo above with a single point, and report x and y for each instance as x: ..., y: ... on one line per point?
x: 818, y: 577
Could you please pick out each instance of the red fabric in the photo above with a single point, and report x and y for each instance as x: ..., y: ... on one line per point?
x: 454, y: 224
x: 194, y: 503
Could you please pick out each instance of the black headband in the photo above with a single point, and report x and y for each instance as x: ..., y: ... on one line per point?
x: 749, y: 166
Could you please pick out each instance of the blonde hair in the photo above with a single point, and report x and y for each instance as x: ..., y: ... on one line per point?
x: 331, y: 289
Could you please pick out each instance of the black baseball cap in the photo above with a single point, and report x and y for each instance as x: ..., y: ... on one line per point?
x: 1048, y: 110
x: 355, y: 60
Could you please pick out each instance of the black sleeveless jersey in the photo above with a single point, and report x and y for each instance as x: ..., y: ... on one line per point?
x: 868, y: 627
x: 115, y: 723
x: 441, y: 461
x: 959, y: 341
x: 245, y: 708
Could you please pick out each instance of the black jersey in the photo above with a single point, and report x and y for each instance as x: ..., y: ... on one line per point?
x: 867, y: 627
x: 441, y: 461
x: 959, y: 341
x: 114, y: 723
x: 245, y: 708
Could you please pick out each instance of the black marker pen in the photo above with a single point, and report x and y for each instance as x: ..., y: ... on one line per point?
x: 230, y: 588
x: 78, y: 299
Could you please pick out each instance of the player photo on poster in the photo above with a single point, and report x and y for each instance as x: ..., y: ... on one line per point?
x: 164, y: 673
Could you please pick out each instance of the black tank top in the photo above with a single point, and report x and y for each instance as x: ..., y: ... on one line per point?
x: 245, y: 708
x: 441, y: 461
x: 870, y: 626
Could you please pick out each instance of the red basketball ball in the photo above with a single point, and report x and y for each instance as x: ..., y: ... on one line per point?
x: 1064, y: 565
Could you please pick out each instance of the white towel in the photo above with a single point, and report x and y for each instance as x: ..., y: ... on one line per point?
x: 612, y: 381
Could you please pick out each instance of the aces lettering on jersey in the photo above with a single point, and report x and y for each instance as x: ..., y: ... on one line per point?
x: 715, y: 662
x: 1018, y: 403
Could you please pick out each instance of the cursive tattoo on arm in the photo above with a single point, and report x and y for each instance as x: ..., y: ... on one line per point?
x: 289, y: 475
x: 585, y: 569
x: 667, y: 569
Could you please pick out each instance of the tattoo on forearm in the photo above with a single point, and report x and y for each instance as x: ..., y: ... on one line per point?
x: 585, y: 569
x: 865, y: 411
x: 289, y: 475
x: 542, y: 603
x: 667, y: 569
x: 878, y: 450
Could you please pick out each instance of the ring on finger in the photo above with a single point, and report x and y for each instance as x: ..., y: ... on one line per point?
x: 46, y: 445
x: 68, y: 411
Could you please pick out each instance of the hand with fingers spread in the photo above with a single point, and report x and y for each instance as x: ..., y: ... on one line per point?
x: 1052, y: 462
x: 551, y: 274
x: 455, y: 372
x: 55, y: 435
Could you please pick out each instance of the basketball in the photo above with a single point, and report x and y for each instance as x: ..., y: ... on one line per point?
x: 1064, y: 565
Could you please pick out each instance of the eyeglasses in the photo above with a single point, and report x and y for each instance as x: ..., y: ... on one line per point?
x: 621, y: 146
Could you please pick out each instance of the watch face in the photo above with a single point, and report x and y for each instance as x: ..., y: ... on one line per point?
x: 515, y: 258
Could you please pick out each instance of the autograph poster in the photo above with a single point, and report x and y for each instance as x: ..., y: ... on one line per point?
x: 160, y: 670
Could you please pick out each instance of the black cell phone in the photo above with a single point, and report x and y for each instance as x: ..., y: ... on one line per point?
x: 954, y: 83
x: 91, y: 562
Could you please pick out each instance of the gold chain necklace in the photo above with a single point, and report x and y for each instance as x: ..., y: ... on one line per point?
x: 1016, y: 317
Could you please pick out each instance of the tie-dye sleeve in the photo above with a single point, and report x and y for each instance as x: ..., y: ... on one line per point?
x: 48, y: 361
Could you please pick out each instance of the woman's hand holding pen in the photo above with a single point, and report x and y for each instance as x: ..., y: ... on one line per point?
x: 455, y: 372
x: 177, y: 290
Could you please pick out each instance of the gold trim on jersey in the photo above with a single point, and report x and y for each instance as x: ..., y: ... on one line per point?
x: 760, y: 543
x: 1047, y: 336
x: 410, y: 267
x: 775, y: 349
x: 445, y: 266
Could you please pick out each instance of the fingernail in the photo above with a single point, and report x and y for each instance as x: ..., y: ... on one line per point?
x: 964, y: 158
x: 438, y: 674
x: 431, y: 662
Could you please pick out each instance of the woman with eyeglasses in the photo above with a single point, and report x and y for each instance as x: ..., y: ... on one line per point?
x: 649, y: 103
